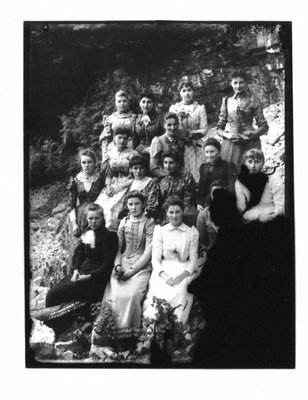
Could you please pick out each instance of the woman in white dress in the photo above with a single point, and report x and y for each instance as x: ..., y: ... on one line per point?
x: 193, y: 125
x: 175, y: 264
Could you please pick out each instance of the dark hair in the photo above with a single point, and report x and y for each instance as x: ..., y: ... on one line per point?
x: 135, y: 194
x: 185, y: 82
x: 148, y: 94
x: 223, y: 208
x: 172, y: 155
x: 255, y: 154
x: 212, y: 142
x: 96, y: 207
x: 239, y: 74
x: 122, y: 131
x: 89, y: 153
x: 139, y: 160
x: 173, y: 201
x: 169, y: 115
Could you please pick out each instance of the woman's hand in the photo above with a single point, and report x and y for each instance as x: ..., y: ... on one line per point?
x: 166, y: 278
x: 75, y: 227
x: 235, y: 138
x: 109, y: 190
x: 83, y: 278
x: 199, y: 207
x: 75, y: 276
x: 127, y: 274
x: 179, y: 278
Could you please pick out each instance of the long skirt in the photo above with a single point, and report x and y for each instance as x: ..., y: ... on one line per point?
x: 126, y: 297
x: 193, y: 158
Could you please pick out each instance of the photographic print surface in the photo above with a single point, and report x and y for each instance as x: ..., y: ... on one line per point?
x: 119, y: 117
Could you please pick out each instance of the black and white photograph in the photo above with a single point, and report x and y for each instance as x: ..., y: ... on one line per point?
x: 159, y: 197
x: 159, y: 201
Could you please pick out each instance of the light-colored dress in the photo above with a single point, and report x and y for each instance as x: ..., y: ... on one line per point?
x: 126, y: 297
x: 118, y: 169
x: 193, y: 117
x: 174, y: 250
x: 111, y: 124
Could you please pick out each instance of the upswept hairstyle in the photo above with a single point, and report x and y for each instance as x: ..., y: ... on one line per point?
x: 185, y: 82
x: 135, y: 194
x: 172, y: 155
x: 238, y: 74
x: 96, y: 207
x: 89, y: 153
x: 121, y: 93
x: 173, y: 201
x: 139, y: 160
x: 212, y: 142
x: 169, y: 115
x: 148, y: 94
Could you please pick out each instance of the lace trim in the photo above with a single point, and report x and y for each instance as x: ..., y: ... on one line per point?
x: 82, y: 178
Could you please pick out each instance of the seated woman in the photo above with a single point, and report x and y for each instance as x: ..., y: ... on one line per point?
x: 83, y: 190
x: 139, y: 167
x: 176, y: 183
x: 168, y: 304
x: 126, y: 291
x: 117, y: 179
x: 169, y: 141
x: 122, y: 118
x: 92, y: 263
x: 148, y: 124
x: 260, y: 196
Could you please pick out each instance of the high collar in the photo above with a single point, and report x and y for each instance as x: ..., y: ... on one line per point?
x: 216, y: 162
x: 181, y: 227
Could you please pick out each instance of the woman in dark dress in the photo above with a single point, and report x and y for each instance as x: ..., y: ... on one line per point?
x: 92, y: 263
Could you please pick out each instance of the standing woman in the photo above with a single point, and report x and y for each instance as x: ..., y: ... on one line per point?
x: 122, y: 118
x: 239, y: 111
x: 193, y: 124
x: 148, y: 124
x: 83, y: 190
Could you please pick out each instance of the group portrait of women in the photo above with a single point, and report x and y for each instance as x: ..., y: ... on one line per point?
x: 145, y: 218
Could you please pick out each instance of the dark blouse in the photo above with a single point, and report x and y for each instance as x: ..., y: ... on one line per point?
x: 221, y: 170
x: 97, y: 261
x: 77, y: 190
x: 255, y: 183
x: 182, y: 185
x: 146, y: 130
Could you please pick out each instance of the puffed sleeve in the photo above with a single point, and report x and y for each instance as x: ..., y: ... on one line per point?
x: 107, y: 131
x: 202, y: 119
x: 157, y: 249
x: 149, y: 230
x: 190, y: 188
x: 110, y: 250
x: 78, y: 256
x: 121, y: 234
x: 259, y: 117
x: 72, y: 198
x: 152, y: 195
x: 223, y: 115
x: 193, y: 250
x: 277, y: 190
x: 231, y: 177
x: 155, y: 153
x: 201, y: 187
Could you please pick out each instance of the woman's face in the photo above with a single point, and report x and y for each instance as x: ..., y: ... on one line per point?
x: 171, y: 126
x: 254, y: 165
x: 146, y: 105
x: 121, y: 104
x: 135, y: 206
x: 121, y: 142
x: 187, y: 94
x: 170, y: 165
x: 238, y: 84
x: 87, y: 165
x: 138, y: 171
x: 211, y: 153
x: 95, y: 220
x: 175, y: 215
